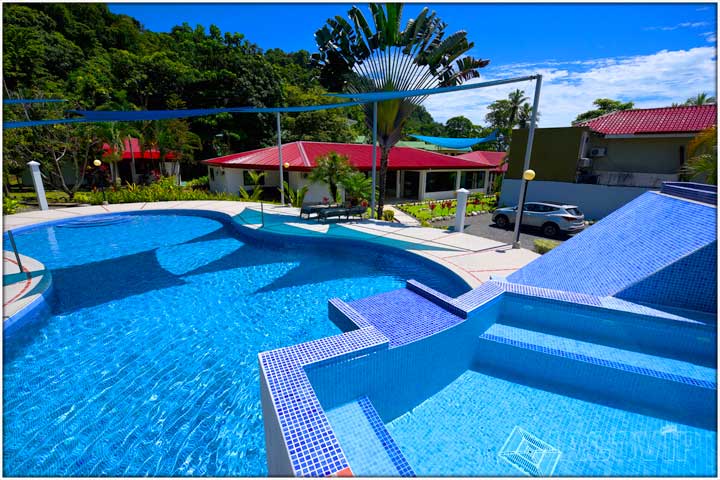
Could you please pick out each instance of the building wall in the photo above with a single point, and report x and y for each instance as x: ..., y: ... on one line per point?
x: 641, y: 155
x: 595, y: 201
x: 555, y: 153
x: 316, y: 191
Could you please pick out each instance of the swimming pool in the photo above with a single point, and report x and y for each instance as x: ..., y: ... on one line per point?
x: 528, y: 386
x: 148, y: 363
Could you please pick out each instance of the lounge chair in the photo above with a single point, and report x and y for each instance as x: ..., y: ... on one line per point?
x: 326, y: 213
x: 356, y: 211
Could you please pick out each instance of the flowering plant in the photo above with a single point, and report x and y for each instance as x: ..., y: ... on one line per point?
x: 325, y: 200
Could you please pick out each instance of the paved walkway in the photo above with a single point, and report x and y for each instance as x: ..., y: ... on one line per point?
x: 403, y: 217
x: 20, y: 288
x: 473, y: 258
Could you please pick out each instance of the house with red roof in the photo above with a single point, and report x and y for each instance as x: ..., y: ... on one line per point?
x: 605, y: 162
x: 412, y: 173
x: 137, y: 161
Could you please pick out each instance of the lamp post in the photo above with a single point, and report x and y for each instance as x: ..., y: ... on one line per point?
x: 528, y: 176
x: 100, y: 177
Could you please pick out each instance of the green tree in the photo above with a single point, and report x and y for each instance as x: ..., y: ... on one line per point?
x: 256, y: 179
x: 420, y: 122
x: 700, y: 99
x: 459, y: 127
x: 331, y: 168
x: 605, y: 106
x: 331, y: 125
x: 387, y: 57
x: 702, y: 150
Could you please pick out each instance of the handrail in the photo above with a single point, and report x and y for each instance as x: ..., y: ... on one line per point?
x: 14, y: 247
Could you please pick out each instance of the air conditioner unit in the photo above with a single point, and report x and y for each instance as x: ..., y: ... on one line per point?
x: 598, y: 152
x: 585, y: 162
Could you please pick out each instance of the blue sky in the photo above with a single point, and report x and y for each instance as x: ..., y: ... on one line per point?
x: 653, y: 54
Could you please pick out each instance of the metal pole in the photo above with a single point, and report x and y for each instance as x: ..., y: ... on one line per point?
x: 279, y: 135
x: 374, y: 159
x: 17, y: 255
x: 262, y: 214
x: 526, y: 165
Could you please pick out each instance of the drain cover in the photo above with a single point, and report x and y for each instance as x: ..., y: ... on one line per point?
x: 529, y: 454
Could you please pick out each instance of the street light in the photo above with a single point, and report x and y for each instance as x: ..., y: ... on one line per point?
x: 528, y: 176
x: 100, y: 177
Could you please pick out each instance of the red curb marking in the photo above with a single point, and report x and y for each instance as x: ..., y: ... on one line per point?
x: 496, y: 269
x: 24, y: 289
x: 345, y: 472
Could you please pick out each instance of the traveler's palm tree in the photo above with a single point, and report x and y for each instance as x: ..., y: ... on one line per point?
x: 700, y: 99
x: 386, y: 57
x: 702, y: 151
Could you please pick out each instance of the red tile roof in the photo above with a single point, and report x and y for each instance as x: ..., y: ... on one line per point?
x: 137, y: 151
x: 301, y: 156
x: 492, y: 160
x: 690, y: 119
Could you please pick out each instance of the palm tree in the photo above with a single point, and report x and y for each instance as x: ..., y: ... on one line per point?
x: 114, y: 136
x: 386, y: 57
x: 700, y: 99
x: 357, y: 186
x: 331, y: 168
x: 703, y: 157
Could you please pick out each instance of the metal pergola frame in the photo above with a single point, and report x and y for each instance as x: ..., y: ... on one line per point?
x: 357, y: 99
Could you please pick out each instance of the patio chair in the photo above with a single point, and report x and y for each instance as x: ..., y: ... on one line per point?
x: 356, y: 211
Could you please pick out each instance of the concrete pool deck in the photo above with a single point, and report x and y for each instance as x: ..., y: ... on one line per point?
x: 472, y: 258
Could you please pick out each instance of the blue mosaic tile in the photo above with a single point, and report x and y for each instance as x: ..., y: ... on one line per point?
x: 404, y: 316
x: 310, y: 441
x: 633, y: 362
x: 398, y: 459
x: 636, y: 241
x: 698, y: 192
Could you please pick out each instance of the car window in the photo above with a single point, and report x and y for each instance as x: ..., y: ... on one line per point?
x: 531, y: 207
x: 574, y: 211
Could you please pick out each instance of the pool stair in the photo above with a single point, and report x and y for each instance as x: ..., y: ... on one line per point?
x: 402, y: 315
x: 678, y: 390
x: 367, y: 444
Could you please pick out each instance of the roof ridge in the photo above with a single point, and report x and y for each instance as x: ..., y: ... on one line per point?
x: 303, y: 154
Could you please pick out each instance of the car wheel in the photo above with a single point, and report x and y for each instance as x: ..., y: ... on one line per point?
x: 550, y: 230
x: 502, y: 221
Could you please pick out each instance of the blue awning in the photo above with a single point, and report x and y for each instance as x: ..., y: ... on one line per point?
x: 10, y: 101
x: 457, y: 143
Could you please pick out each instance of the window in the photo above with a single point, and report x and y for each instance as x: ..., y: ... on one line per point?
x: 533, y: 207
x: 248, y: 182
x: 212, y: 174
x: 472, y: 180
x: 440, y: 181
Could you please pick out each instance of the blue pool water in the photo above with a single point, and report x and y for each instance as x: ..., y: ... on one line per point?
x: 148, y: 363
x: 532, y: 387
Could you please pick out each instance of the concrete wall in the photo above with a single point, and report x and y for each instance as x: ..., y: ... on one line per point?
x: 555, y: 153
x: 316, y: 191
x: 641, y: 155
x: 595, y: 201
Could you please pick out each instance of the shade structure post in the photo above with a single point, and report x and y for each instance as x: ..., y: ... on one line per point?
x: 279, y: 139
x: 526, y: 164
x: 374, y: 159
x: 38, y: 183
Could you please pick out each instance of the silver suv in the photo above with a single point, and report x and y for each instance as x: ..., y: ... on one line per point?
x: 551, y: 217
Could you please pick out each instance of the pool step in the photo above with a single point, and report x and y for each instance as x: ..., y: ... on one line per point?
x: 686, y: 341
x: 679, y: 390
x: 368, y: 446
x: 401, y: 315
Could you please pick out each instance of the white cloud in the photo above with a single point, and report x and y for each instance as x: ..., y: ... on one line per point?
x: 569, y: 88
x: 679, y: 25
x: 709, y: 36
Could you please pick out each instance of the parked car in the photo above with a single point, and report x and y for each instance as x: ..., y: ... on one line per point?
x: 551, y: 217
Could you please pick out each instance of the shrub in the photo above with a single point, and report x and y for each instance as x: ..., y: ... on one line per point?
x: 202, y: 183
x: 543, y: 245
x: 388, y: 215
x: 161, y: 191
x: 10, y: 206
